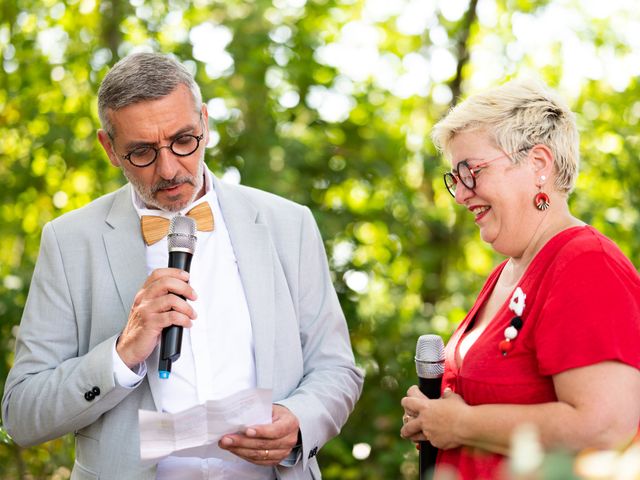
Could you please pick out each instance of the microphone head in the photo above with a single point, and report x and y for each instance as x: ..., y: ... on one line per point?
x: 430, y: 356
x: 182, y: 234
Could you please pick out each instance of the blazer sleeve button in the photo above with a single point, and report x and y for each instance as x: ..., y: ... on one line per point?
x: 313, y: 452
x: 88, y: 396
x: 95, y: 391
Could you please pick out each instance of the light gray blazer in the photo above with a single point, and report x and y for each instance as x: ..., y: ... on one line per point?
x: 90, y: 266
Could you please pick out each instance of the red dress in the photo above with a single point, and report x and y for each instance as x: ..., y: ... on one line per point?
x: 582, y: 307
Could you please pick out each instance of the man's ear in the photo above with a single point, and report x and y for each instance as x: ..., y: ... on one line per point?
x: 105, y: 141
x: 205, y: 122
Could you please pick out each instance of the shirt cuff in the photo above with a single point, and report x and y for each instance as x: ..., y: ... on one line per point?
x: 295, y: 455
x: 124, y: 376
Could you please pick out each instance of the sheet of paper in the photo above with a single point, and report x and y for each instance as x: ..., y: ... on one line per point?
x: 195, y: 432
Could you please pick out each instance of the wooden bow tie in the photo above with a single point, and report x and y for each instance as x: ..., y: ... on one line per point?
x: 155, y: 228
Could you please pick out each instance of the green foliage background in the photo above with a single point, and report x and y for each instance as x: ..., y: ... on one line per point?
x: 405, y: 261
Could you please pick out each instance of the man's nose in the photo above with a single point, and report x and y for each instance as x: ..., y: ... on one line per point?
x: 166, y: 163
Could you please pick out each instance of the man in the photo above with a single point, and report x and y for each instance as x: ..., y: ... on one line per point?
x: 258, y: 307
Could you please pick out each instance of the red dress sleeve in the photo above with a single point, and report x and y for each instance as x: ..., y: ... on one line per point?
x: 592, y: 309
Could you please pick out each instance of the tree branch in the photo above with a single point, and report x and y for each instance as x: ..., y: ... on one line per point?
x: 462, y: 49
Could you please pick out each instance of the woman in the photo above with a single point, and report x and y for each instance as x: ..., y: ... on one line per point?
x: 553, y: 339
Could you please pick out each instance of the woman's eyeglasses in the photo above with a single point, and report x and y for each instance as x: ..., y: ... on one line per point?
x: 467, y: 175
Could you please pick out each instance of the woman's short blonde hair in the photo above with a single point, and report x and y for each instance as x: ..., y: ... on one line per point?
x: 518, y: 115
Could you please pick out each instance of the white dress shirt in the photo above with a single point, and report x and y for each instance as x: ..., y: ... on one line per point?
x: 217, y: 356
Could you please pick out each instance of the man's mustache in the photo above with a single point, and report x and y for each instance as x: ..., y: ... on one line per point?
x: 162, y: 184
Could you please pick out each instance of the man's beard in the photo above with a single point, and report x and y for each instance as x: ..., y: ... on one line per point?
x: 147, y: 194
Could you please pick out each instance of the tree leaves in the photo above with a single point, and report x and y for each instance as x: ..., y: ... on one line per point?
x: 328, y: 103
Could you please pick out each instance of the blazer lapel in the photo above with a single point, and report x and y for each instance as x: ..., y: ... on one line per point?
x: 125, y: 248
x: 127, y: 259
x: 252, y: 247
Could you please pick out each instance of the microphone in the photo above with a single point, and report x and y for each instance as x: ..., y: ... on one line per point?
x: 182, y: 244
x: 430, y: 368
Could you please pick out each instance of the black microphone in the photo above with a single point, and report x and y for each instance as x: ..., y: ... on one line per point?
x: 182, y: 244
x: 430, y: 367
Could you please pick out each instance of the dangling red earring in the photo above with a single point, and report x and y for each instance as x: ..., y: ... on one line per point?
x: 541, y: 200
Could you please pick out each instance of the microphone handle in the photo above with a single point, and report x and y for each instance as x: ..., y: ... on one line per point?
x: 171, y: 339
x: 430, y: 387
x: 428, y: 453
x: 180, y: 259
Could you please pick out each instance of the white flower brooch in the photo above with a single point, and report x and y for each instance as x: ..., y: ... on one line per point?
x: 516, y: 305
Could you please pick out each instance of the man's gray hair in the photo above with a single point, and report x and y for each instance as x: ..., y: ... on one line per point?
x: 140, y: 77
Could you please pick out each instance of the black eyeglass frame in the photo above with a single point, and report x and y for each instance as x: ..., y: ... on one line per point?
x: 198, y: 139
x: 452, y: 178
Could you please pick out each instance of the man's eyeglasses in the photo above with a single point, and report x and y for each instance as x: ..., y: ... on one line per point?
x: 182, y: 146
x: 467, y: 175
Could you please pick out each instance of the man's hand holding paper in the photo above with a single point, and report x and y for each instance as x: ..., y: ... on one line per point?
x: 266, y: 444
x: 195, y: 432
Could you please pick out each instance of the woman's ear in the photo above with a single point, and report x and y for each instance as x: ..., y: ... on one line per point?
x: 542, y: 160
